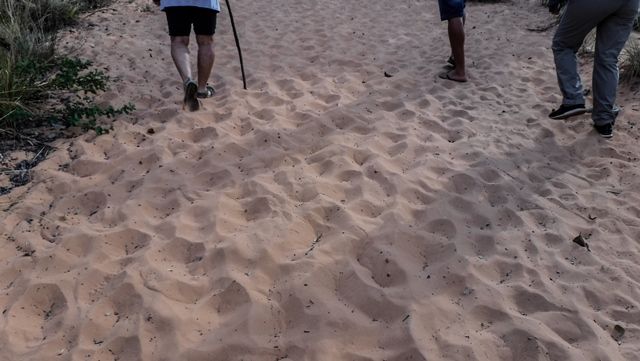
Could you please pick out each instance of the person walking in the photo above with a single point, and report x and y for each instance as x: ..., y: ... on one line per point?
x: 613, y: 21
x: 181, y: 16
x: 453, y: 12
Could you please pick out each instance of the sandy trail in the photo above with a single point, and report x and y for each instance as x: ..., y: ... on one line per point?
x: 329, y: 212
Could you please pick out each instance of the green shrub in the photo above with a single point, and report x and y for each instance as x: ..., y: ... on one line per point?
x: 60, y: 91
x: 37, y: 86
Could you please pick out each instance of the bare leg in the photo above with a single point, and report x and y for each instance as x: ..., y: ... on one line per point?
x: 456, y: 38
x: 206, y: 58
x: 180, y: 55
x: 464, y: 22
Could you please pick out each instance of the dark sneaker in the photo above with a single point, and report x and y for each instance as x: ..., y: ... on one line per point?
x: 566, y: 111
x: 605, y: 130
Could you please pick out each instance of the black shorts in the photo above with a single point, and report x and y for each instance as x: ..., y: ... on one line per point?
x: 180, y: 19
x: 451, y: 9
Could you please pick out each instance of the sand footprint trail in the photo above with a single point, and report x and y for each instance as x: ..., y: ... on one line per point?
x: 446, y: 212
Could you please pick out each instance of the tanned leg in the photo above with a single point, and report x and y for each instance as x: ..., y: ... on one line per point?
x: 206, y: 57
x: 180, y: 55
x: 456, y: 38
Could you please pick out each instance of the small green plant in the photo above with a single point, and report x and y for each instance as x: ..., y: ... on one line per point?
x: 61, y: 91
x: 85, y: 113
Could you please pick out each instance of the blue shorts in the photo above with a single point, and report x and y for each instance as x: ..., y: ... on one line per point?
x: 451, y: 9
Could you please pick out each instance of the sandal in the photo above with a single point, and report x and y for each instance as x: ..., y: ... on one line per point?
x: 190, y: 95
x: 447, y: 76
x: 207, y: 93
x: 451, y: 61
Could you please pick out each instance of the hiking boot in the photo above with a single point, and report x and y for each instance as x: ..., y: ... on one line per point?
x: 605, y: 130
x: 566, y: 111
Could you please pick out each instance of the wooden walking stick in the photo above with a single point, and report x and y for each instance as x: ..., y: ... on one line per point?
x: 235, y: 35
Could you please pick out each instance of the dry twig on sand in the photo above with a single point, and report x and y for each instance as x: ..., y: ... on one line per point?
x: 313, y: 244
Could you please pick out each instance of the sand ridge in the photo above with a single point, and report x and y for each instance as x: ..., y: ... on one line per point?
x: 329, y: 212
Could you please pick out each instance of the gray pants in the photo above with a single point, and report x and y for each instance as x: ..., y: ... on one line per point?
x: 613, y: 20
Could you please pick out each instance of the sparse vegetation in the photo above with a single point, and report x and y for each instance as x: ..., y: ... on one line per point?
x: 631, y: 61
x: 42, y: 93
x: 38, y: 86
x: 588, y: 44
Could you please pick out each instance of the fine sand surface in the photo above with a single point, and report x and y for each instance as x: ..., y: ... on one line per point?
x: 329, y: 212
